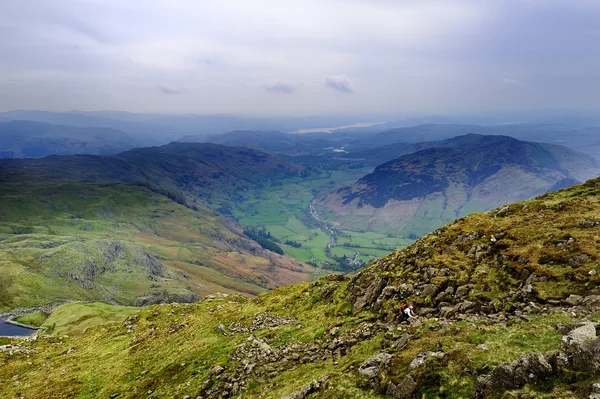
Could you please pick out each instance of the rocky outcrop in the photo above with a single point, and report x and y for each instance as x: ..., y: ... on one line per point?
x: 313, y: 387
x: 579, y: 352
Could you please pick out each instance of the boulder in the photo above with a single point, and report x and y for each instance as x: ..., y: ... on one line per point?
x: 529, y: 368
x: 371, y: 367
x: 422, y: 358
x: 313, y: 387
x: 462, y: 291
x: 403, y: 390
x: 574, y: 300
x: 372, y: 293
x: 401, y: 342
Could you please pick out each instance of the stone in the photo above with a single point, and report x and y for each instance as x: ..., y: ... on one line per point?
x: 313, y: 387
x: 447, y: 311
x: 403, y: 390
x: 579, y: 335
x: 221, y: 329
x: 574, y: 300
x: 529, y: 368
x: 372, y: 293
x: 401, y: 342
x: 371, y: 367
x: 430, y: 289
x: 462, y: 291
x: 591, y: 300
x: 578, y: 260
x: 422, y: 358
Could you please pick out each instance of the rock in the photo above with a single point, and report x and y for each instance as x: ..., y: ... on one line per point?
x: 591, y: 300
x: 530, y: 368
x: 574, y: 300
x: 483, y: 347
x: 462, y: 291
x: 565, y: 329
x: 404, y: 390
x: 221, y: 329
x: 445, y: 272
x: 309, y: 389
x: 370, y: 368
x: 401, y: 342
x: 525, y: 273
x: 578, y: 260
x: 372, y: 293
x: 447, y: 311
x: 422, y: 358
x: 579, y: 335
x: 406, y: 290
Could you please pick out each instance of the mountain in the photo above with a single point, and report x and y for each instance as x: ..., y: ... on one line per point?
x: 194, y: 168
x: 26, y: 139
x: 507, y: 303
x: 418, y: 192
x: 133, y: 228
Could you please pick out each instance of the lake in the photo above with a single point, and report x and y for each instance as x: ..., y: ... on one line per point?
x: 9, y: 330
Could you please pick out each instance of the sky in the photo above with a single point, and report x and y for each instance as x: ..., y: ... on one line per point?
x: 299, y: 57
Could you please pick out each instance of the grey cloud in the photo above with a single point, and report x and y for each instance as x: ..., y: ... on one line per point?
x: 425, y: 56
x: 171, y: 90
x: 280, y: 87
x: 340, y: 83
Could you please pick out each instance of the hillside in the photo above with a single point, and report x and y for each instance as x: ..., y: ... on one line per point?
x: 26, y: 139
x: 506, y: 299
x: 419, y: 192
x: 193, y: 168
x: 132, y: 228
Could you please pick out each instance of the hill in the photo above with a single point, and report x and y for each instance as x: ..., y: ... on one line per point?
x: 26, y: 139
x: 420, y: 191
x: 199, y: 169
x: 508, y: 306
x: 131, y: 229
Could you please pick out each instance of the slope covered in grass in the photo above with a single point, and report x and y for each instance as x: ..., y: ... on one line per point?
x: 124, y: 244
x: 490, y: 289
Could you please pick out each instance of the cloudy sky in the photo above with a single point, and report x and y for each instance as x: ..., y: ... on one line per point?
x: 299, y: 57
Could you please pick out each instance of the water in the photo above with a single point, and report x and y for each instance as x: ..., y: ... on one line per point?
x: 9, y: 330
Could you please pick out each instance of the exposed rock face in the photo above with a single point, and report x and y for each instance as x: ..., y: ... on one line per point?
x: 404, y: 390
x: 371, y: 367
x: 580, y: 349
x: 579, y: 352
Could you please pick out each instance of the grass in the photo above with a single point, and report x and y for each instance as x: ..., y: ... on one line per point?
x: 77, y: 317
x: 34, y: 319
x: 90, y: 344
x: 103, y: 242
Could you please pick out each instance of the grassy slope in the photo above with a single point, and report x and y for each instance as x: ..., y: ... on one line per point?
x: 168, y: 350
x: 70, y: 231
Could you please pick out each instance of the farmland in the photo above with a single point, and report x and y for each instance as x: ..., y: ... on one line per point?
x: 282, y: 209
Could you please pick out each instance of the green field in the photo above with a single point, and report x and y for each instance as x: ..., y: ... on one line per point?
x: 282, y: 208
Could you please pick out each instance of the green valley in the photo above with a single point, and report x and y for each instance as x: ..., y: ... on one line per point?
x: 283, y: 208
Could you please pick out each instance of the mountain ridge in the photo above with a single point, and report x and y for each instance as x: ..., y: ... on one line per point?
x: 451, y: 178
